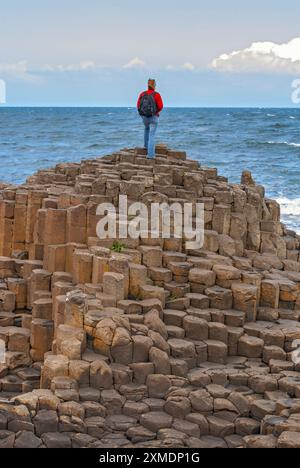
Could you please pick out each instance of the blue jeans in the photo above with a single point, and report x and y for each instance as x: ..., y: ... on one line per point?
x: 151, y: 124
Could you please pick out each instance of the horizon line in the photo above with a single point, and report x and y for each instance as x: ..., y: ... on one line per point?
x: 57, y: 106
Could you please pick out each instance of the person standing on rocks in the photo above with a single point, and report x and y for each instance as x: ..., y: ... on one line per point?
x: 149, y: 105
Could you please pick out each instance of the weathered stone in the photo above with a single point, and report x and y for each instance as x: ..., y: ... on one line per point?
x: 250, y: 347
x: 220, y: 427
x: 54, y: 366
x: 158, y: 385
x: 270, y: 294
x: 261, y: 408
x: 80, y: 371
x: 247, y: 426
x: 160, y: 360
x: 56, y: 440
x: 101, y: 375
x: 245, y: 299
x: 195, y: 328
x: 220, y: 298
x: 141, y: 347
x: 201, y: 401
x: 114, y: 285
x: 156, y: 420
x: 112, y: 401
x: 45, y: 421
x: 290, y: 440
x: 260, y: 441
x: 7, y: 439
x: 26, y: 440
x: 205, y: 277
x: 140, y: 434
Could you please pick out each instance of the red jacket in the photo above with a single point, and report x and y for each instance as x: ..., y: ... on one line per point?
x: 158, y: 100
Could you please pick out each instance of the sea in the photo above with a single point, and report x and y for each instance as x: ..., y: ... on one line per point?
x: 264, y: 141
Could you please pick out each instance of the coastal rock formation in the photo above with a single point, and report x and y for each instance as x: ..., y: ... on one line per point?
x: 140, y: 342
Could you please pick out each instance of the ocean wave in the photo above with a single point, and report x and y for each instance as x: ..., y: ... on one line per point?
x: 279, y: 125
x: 289, y: 207
x: 94, y: 146
x: 295, y: 145
x: 102, y: 122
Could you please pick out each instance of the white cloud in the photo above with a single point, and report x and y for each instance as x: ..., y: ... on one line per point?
x: 135, y: 63
x: 262, y: 57
x: 81, y: 66
x: 188, y: 66
x: 18, y: 70
x: 14, y: 68
x: 21, y: 70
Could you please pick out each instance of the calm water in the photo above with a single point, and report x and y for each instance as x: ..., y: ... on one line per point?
x: 265, y: 141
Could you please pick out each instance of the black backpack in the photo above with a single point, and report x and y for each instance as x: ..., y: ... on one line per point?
x: 148, y: 107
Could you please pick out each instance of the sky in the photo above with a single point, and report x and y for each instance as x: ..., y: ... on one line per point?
x: 101, y: 52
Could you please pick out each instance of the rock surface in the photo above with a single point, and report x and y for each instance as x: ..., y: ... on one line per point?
x: 139, y: 342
